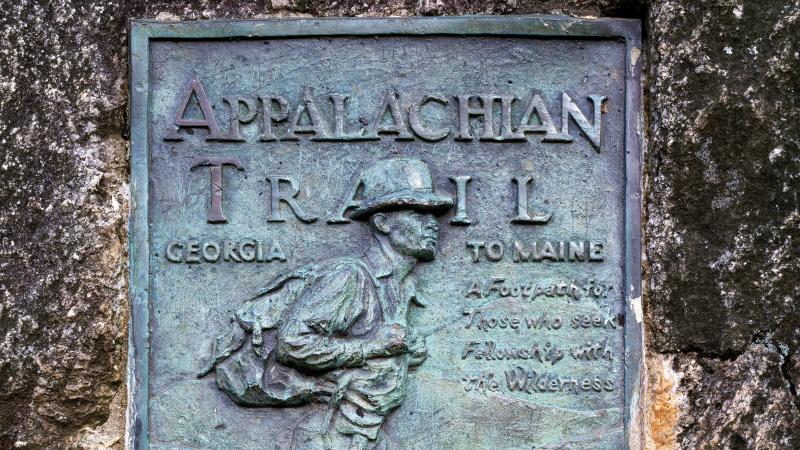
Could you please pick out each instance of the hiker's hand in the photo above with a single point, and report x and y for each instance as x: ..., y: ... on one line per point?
x: 417, y: 351
x: 389, y: 339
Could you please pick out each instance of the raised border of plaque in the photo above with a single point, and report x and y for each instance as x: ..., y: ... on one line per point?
x: 143, y: 32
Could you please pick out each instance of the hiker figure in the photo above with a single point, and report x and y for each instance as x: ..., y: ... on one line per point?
x: 336, y: 331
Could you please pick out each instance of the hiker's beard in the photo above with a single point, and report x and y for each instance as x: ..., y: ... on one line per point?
x: 427, y: 251
x: 424, y: 250
x: 414, y: 234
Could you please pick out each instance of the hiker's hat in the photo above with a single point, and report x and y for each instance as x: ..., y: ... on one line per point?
x: 399, y: 183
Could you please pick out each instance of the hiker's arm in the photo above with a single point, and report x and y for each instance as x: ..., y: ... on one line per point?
x: 315, y: 332
x: 318, y: 333
x: 312, y: 351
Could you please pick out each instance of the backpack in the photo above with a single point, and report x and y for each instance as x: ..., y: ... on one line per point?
x: 244, y: 359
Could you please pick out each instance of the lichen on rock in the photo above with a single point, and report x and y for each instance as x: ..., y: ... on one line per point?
x: 723, y: 221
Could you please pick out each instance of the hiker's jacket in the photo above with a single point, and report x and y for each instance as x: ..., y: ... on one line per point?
x: 308, y: 332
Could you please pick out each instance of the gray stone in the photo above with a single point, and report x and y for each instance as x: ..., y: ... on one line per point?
x: 743, y: 403
x: 723, y: 221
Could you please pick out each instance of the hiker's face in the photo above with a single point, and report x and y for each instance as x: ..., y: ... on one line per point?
x: 413, y: 233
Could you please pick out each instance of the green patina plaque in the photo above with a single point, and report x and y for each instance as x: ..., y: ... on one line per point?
x: 385, y: 233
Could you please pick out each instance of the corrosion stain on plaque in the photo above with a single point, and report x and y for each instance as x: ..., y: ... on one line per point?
x: 424, y: 237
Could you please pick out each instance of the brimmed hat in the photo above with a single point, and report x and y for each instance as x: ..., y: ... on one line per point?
x: 399, y: 183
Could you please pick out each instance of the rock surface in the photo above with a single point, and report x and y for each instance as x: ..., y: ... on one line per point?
x: 723, y: 224
x: 721, y: 230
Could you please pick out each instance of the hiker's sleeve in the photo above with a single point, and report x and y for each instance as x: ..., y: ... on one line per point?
x: 315, y: 335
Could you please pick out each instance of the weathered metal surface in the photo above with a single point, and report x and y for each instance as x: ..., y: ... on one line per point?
x: 418, y: 233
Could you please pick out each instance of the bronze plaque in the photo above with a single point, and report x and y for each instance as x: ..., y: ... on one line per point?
x: 385, y: 233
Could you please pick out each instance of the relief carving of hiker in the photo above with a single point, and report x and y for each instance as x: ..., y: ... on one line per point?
x: 336, y: 331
